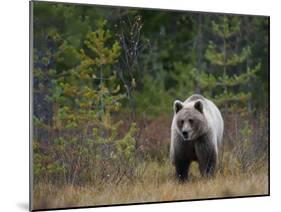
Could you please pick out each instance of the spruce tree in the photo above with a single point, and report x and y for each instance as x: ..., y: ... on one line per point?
x: 84, y: 96
x: 230, y: 73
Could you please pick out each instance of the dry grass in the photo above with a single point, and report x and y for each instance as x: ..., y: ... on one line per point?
x: 243, y: 171
x: 154, y: 183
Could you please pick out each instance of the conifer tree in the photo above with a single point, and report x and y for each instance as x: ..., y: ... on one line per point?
x: 84, y: 97
x: 227, y: 56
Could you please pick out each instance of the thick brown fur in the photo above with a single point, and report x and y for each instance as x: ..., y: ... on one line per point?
x: 196, y: 133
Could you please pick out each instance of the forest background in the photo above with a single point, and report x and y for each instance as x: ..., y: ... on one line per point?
x: 104, y: 81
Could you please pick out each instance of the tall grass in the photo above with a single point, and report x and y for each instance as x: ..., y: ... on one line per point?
x: 157, y: 183
x: 150, y: 176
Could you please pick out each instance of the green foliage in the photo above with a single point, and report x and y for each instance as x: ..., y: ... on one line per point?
x: 126, y: 146
x: 185, y: 77
x: 154, y: 99
x: 218, y: 58
x: 83, y: 99
x: 105, y: 80
x: 226, y: 28
x: 230, y: 78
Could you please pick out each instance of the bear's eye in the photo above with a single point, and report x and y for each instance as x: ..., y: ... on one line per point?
x: 190, y: 121
x: 181, y: 122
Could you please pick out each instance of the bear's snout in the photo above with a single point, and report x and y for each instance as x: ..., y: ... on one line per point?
x: 185, y: 134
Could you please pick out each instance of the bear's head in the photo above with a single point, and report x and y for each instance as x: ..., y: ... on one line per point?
x: 190, y: 120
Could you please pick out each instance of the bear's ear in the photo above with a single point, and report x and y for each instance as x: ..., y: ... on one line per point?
x: 199, y: 106
x: 178, y: 105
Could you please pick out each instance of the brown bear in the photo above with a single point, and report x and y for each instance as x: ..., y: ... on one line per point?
x: 196, y: 135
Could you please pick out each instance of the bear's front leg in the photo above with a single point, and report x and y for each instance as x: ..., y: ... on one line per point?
x: 182, y: 168
x: 206, y: 156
